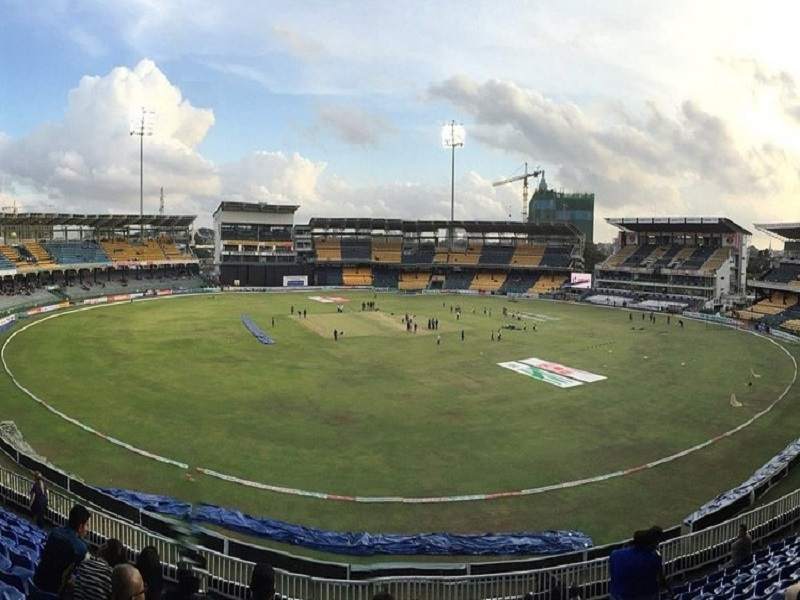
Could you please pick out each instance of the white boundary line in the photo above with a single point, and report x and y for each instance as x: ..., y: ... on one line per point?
x: 389, y: 499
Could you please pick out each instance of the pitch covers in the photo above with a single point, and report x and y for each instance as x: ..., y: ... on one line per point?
x: 551, y: 372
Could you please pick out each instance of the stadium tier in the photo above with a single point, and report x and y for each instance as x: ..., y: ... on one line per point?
x: 696, y: 260
x: 476, y: 255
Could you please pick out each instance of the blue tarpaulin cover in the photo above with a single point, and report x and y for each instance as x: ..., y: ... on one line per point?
x: 260, y: 335
x: 758, y: 479
x: 360, y: 543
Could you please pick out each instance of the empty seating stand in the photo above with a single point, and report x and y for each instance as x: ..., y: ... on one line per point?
x: 765, y: 576
x: 76, y: 252
x: 496, y: 255
x: 419, y: 255
x: 697, y: 258
x: 356, y: 249
x: 457, y: 280
x: 357, y: 276
x: 328, y: 249
x: 557, y: 256
x: 385, y: 278
x: 548, y: 283
x: 488, y: 281
x: 636, y: 258
x: 414, y: 280
x: 527, y: 254
x: 21, y: 544
x: 519, y: 283
x: 788, y: 273
x: 387, y: 250
x: 39, y: 254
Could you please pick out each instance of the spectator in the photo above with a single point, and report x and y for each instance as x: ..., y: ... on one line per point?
x: 149, y: 565
x: 93, y: 575
x: 126, y: 583
x: 742, y: 547
x: 262, y: 582
x: 637, y: 570
x: 38, y: 500
x: 187, y: 588
x: 63, y: 551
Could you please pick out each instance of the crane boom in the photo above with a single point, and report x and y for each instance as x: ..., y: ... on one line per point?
x: 524, y: 179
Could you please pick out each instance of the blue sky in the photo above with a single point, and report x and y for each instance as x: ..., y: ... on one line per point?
x: 675, y: 108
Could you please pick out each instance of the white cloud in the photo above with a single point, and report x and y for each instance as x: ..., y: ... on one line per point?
x: 88, y: 161
x: 684, y: 162
x: 353, y: 125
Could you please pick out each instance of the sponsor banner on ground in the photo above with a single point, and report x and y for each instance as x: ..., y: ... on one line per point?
x: 329, y: 299
x: 46, y: 309
x: 163, y: 292
x: 560, y: 369
x: 540, y: 374
x: 91, y: 301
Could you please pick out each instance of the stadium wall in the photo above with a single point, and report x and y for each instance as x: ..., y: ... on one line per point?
x: 261, y: 275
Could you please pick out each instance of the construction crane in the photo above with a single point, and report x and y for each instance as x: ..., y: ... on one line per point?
x: 524, y: 178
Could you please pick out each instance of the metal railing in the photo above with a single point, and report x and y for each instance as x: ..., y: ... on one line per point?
x: 230, y: 576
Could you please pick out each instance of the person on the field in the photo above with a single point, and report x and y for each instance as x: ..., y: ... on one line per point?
x: 305, y: 315
x: 38, y: 500
x: 335, y: 336
x: 630, y: 316
x: 291, y: 309
x: 462, y: 335
x: 273, y: 321
x: 415, y: 327
x: 637, y: 571
x: 492, y: 334
x: 438, y: 340
x: 64, y: 550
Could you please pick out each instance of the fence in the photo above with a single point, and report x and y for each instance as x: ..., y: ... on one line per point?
x: 229, y: 576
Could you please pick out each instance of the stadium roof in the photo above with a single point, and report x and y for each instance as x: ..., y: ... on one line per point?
x: 471, y: 226
x: 96, y: 221
x: 786, y: 231
x: 257, y: 207
x: 678, y: 224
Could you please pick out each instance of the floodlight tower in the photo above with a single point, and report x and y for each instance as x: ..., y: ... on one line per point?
x: 453, y: 136
x: 142, y: 125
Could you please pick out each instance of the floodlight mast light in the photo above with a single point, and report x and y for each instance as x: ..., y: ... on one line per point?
x: 452, y: 135
x: 142, y: 125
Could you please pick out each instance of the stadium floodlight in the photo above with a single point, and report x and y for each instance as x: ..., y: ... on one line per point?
x: 141, y: 124
x: 453, y: 136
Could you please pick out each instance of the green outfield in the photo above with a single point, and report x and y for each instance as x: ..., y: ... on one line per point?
x: 387, y: 412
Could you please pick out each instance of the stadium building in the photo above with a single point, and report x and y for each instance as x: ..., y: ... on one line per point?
x: 777, y: 290
x: 77, y: 252
x: 679, y: 260
x: 481, y: 256
x: 549, y: 206
x: 254, y: 244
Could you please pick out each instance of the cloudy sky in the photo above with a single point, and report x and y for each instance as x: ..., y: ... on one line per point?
x: 678, y: 108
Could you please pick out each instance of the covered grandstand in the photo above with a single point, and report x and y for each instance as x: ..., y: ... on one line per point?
x: 686, y: 260
x: 81, y: 251
x: 481, y: 256
x: 777, y: 290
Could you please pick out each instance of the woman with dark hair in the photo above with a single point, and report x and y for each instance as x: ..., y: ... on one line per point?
x: 262, y: 582
x: 149, y: 565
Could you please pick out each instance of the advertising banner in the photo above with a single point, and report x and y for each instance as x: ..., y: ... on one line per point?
x: 540, y: 374
x: 7, y: 322
x: 92, y: 301
x: 560, y: 369
x: 46, y: 309
x: 581, y: 281
x: 295, y: 280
